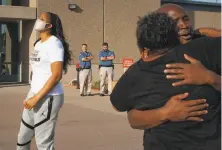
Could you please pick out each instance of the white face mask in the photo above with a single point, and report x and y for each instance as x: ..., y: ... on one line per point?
x: 40, y: 25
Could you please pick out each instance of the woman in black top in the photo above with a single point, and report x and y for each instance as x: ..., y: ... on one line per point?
x: 145, y: 87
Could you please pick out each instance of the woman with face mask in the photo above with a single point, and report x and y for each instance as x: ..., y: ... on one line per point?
x: 49, y: 59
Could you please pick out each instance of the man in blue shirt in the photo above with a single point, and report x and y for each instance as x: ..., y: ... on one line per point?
x: 85, y: 74
x: 106, y: 58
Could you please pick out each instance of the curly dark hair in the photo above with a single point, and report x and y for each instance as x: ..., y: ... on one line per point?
x: 156, y: 31
x: 57, y: 30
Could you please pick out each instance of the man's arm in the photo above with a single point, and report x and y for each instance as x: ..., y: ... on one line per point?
x: 87, y: 58
x: 107, y: 58
x: 101, y: 57
x: 211, y: 32
x: 90, y: 58
x: 146, y: 119
x: 174, y: 110
x: 214, y: 80
x: 112, y: 57
x: 195, y: 73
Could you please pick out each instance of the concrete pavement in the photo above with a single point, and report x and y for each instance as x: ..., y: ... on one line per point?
x: 85, y: 123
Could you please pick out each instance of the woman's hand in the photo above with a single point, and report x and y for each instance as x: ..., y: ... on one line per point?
x: 30, y: 103
x: 176, y: 109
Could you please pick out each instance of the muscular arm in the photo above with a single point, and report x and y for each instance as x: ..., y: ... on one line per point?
x: 146, y: 119
x: 214, y: 80
x: 196, y: 73
x: 174, y: 110
x: 211, y: 32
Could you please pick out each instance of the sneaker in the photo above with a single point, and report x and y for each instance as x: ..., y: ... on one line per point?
x: 88, y: 94
x: 82, y: 95
x: 101, y: 94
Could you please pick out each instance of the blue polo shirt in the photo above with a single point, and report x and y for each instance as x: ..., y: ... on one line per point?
x: 85, y: 64
x: 106, y: 53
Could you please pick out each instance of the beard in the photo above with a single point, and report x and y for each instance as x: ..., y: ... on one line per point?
x: 185, y: 34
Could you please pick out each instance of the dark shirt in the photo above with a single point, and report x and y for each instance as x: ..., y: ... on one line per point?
x: 144, y: 86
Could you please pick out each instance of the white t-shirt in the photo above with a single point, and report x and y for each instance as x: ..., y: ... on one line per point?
x: 45, y: 53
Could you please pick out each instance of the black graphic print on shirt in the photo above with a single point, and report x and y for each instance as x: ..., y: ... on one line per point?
x: 35, y: 57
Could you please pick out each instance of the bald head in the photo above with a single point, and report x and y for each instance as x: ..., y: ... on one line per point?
x: 184, y: 25
x: 170, y: 7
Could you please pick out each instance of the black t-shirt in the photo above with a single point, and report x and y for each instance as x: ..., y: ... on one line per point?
x: 144, y: 86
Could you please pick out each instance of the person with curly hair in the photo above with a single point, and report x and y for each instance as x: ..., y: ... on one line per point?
x: 187, y: 121
x: 49, y: 60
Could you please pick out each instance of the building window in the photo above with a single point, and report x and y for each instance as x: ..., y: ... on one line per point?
x: 5, y: 2
x: 9, y: 52
x: 201, y: 2
x: 207, y: 1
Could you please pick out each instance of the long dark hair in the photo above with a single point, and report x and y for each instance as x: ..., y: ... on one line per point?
x: 57, y: 31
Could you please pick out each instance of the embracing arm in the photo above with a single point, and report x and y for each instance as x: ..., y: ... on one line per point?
x: 211, y: 32
x: 146, y: 119
x: 174, y: 110
x: 196, y: 73
x: 214, y: 80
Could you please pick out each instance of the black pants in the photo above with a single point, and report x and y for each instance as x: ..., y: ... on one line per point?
x: 77, y: 87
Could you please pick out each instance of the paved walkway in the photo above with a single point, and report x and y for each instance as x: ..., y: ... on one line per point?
x: 85, y: 123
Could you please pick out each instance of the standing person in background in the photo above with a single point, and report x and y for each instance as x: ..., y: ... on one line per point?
x: 1, y: 63
x: 3, y: 69
x: 77, y: 71
x: 50, y: 58
x: 106, y: 66
x: 85, y: 74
